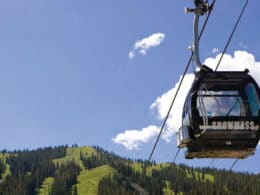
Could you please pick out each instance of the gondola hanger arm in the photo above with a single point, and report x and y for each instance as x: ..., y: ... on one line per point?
x: 201, y: 8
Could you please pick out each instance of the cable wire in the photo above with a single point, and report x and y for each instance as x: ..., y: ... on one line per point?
x: 233, y: 164
x: 176, y: 155
x: 247, y: 186
x: 231, y: 35
x: 207, y: 18
x: 213, y: 160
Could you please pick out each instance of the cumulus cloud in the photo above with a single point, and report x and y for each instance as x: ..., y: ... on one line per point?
x: 145, y: 44
x: 163, y: 102
x: 132, y: 139
x: 215, y: 50
x: 239, y: 62
x: 131, y: 54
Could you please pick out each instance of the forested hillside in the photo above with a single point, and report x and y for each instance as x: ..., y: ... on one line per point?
x: 92, y: 170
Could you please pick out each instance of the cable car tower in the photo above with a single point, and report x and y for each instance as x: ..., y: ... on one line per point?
x: 221, y: 114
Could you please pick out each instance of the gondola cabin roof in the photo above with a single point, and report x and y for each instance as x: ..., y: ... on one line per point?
x: 222, y: 76
x: 219, y: 80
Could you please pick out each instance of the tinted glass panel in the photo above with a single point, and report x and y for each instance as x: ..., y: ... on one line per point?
x: 253, y: 99
x: 220, y: 103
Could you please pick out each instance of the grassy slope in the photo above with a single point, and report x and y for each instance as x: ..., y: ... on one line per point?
x: 46, y: 186
x: 7, y: 169
x: 138, y: 167
x: 74, y: 154
x: 208, y: 177
x: 88, y: 179
x: 71, y: 154
x: 167, y: 190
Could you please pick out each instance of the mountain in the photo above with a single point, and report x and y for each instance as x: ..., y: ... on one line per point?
x: 92, y: 170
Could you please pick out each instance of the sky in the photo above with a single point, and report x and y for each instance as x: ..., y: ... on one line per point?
x: 103, y: 72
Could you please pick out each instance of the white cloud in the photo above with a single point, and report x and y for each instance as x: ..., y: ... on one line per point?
x: 215, y: 50
x: 163, y: 102
x: 239, y: 62
x: 131, y: 139
x: 131, y: 54
x: 143, y: 45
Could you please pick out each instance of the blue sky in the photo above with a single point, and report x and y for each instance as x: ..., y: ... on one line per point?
x: 66, y: 76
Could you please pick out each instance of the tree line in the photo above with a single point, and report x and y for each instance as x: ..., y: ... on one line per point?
x: 28, y: 169
x: 178, y: 178
x: 2, y: 168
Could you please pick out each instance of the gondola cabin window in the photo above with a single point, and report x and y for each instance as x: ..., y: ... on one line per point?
x: 220, y: 103
x: 253, y: 99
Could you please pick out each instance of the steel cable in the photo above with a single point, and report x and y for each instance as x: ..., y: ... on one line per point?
x: 231, y: 35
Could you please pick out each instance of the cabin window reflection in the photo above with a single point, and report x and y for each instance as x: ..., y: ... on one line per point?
x: 220, y: 103
x: 253, y: 99
x: 185, y: 114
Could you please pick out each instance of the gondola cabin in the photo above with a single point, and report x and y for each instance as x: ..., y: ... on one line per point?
x: 221, y: 116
